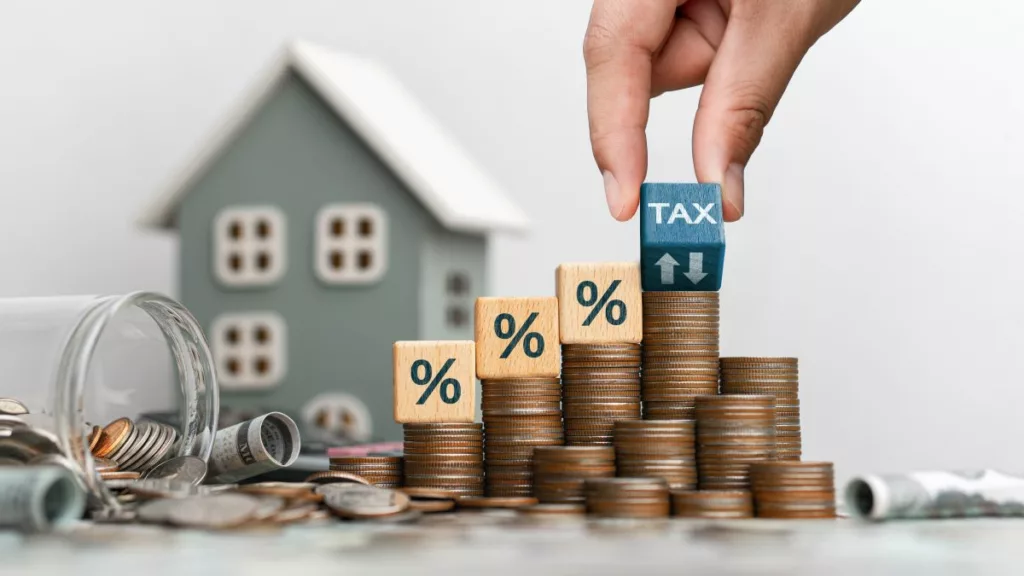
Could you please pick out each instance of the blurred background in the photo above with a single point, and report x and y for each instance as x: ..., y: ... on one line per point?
x: 881, y: 239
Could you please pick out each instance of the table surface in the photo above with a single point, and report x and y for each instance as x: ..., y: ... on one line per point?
x: 496, y: 542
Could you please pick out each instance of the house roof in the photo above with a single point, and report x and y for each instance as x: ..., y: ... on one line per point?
x: 391, y: 122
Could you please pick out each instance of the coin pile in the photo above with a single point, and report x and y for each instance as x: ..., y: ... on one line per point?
x: 518, y: 414
x: 657, y: 449
x: 446, y: 456
x: 21, y: 443
x: 712, y: 504
x: 381, y: 471
x: 733, y: 431
x: 559, y: 472
x: 600, y: 384
x: 794, y: 489
x: 134, y: 447
x: 627, y: 497
x: 777, y: 377
x: 680, y: 357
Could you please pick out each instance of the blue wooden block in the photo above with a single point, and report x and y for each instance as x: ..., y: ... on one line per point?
x: 682, y: 237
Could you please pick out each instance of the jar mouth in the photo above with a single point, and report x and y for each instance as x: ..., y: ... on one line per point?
x: 194, y: 367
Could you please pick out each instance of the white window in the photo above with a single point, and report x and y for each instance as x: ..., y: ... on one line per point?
x: 249, y: 349
x: 351, y: 244
x: 249, y: 245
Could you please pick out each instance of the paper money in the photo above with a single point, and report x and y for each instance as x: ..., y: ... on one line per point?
x: 39, y: 498
x: 254, y: 447
x: 935, y: 494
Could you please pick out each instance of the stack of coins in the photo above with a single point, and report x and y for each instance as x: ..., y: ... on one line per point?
x: 680, y: 352
x: 657, y: 449
x: 712, y: 504
x: 627, y: 497
x: 133, y: 447
x: 794, y: 489
x: 519, y: 414
x: 733, y: 431
x: 381, y: 471
x: 445, y: 456
x: 559, y: 472
x: 600, y: 384
x: 778, y: 377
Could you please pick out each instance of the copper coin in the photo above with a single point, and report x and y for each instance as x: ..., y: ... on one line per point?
x: 332, y: 476
x: 431, y: 506
x: 495, y: 502
x: 113, y: 436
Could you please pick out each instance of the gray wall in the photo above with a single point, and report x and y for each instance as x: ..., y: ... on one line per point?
x: 296, y: 154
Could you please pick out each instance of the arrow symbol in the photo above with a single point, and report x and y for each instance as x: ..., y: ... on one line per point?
x: 668, y: 268
x: 696, y: 273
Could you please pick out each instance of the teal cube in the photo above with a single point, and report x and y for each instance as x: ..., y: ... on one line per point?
x: 682, y: 237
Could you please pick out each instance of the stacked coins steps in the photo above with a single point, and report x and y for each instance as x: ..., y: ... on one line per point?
x: 381, y: 471
x: 778, y: 377
x: 733, y: 431
x: 663, y: 449
x: 445, y: 456
x: 793, y: 489
x: 600, y: 385
x: 627, y: 497
x: 519, y: 414
x: 680, y: 352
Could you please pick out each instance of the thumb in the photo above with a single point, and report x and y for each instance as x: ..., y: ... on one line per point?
x: 763, y: 44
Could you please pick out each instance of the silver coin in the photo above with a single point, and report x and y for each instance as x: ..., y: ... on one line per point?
x: 165, y: 488
x: 12, y: 449
x: 168, y: 446
x: 269, y: 506
x: 184, y: 468
x: 7, y: 461
x: 148, y: 433
x: 148, y: 458
x: 12, y: 407
x: 156, y: 511
x: 126, y: 446
x: 216, y: 511
x: 118, y: 483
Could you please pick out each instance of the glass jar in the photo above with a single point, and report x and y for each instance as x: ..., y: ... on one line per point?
x: 77, y: 362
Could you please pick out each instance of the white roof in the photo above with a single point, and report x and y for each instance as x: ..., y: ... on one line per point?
x: 391, y: 122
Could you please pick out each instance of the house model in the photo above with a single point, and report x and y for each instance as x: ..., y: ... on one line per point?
x: 329, y: 217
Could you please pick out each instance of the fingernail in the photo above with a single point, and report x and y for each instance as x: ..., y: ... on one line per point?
x: 733, y: 185
x: 612, y: 193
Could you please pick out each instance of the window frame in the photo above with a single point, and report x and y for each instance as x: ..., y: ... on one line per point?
x: 247, y: 351
x: 249, y: 248
x: 350, y: 245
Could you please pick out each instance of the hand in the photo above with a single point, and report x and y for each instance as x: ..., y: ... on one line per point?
x: 743, y: 51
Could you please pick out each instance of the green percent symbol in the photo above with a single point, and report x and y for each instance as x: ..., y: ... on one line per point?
x: 423, y: 375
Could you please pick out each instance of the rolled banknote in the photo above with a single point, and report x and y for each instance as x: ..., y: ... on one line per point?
x: 253, y: 447
x: 39, y: 498
x: 935, y: 494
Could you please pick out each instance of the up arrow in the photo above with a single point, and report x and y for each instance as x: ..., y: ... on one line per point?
x: 696, y: 273
x: 668, y: 268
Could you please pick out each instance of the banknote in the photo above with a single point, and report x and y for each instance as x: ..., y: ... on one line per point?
x: 253, y: 447
x: 39, y: 497
x: 935, y: 494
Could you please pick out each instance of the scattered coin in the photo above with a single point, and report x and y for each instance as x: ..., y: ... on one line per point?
x: 289, y: 490
x: 216, y: 511
x: 330, y: 476
x: 119, y: 475
x: 428, y: 493
x: 359, y: 501
x: 156, y: 511
x: 185, y: 468
x: 12, y: 407
x: 407, y: 517
x: 431, y: 506
x: 554, y: 509
x: 295, y: 513
x: 497, y: 502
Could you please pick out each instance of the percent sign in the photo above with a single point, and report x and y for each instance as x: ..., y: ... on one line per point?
x: 451, y: 390
x: 614, y: 310
x: 505, y: 328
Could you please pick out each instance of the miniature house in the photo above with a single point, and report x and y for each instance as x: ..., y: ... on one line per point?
x: 329, y: 218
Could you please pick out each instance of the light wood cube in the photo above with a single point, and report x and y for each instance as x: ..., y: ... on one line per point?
x: 435, y: 381
x: 599, y: 303
x: 517, y: 337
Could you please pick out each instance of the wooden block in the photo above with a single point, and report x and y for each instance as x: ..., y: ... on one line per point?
x: 517, y: 337
x: 599, y: 302
x: 435, y: 381
x: 682, y: 237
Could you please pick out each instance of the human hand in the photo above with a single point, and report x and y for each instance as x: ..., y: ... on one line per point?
x: 743, y: 51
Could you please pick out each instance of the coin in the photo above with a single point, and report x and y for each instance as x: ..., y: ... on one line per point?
x: 216, y: 511
x: 657, y: 448
x: 733, y: 431
x: 793, y: 489
x: 518, y: 414
x: 559, y: 472
x: 446, y: 456
x: 712, y: 504
x: 295, y: 513
x: 554, y: 510
x: 359, y: 501
x: 119, y: 475
x: 12, y: 407
x: 156, y: 511
x: 381, y: 471
x: 432, y: 506
x: 627, y: 497
x: 113, y: 437
x: 778, y: 377
x: 331, y: 476
x: 600, y: 384
x: 497, y: 502
x: 184, y: 468
x: 289, y: 490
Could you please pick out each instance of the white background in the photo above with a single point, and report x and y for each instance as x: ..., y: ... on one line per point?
x: 882, y: 240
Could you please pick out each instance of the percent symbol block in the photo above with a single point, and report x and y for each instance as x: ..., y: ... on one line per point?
x: 517, y: 337
x: 435, y: 381
x: 599, y: 303
x: 682, y: 237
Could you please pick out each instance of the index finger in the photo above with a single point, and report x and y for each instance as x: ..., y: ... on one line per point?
x: 621, y: 38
